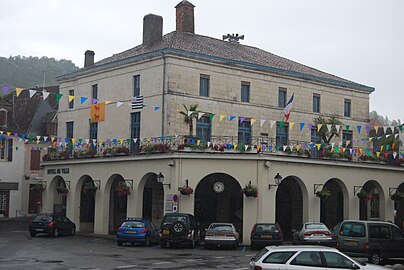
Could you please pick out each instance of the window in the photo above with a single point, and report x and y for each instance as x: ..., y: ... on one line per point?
x: 282, y: 134
x: 347, y: 138
x: 315, y: 136
x: 244, y: 132
x: 204, y: 86
x: 136, y: 85
x: 245, y: 92
x: 347, y: 108
x: 379, y: 232
x: 94, y: 91
x: 135, y: 131
x: 71, y: 103
x: 316, y: 103
x: 352, y: 229
x: 308, y: 258
x: 203, y: 129
x: 397, y: 235
x: 282, y: 97
x: 6, y: 149
x: 3, y: 117
x: 69, y: 130
x: 35, y: 160
x: 93, y: 131
x: 336, y: 260
x: 279, y: 257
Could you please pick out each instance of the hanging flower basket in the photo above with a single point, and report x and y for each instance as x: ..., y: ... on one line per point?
x: 362, y: 194
x: 89, y: 187
x: 62, y: 190
x: 323, y: 194
x: 185, y: 190
x: 38, y: 187
x: 397, y: 196
x: 122, y: 189
x: 250, y: 190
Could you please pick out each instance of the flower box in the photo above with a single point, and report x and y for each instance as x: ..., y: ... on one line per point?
x: 122, y: 189
x: 186, y: 190
x: 62, y: 190
x: 250, y: 190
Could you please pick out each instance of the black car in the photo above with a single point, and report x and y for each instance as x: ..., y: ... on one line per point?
x: 179, y: 229
x: 265, y: 234
x: 52, y: 224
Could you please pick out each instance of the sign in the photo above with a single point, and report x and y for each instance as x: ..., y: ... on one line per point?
x: 58, y: 171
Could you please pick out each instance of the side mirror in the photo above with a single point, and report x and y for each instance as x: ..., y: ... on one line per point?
x: 355, y: 266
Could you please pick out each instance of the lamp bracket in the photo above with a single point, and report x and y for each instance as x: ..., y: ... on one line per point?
x: 97, y: 184
x: 392, y: 191
x: 67, y: 183
x: 43, y: 183
x: 129, y: 183
x: 317, y: 186
x: 357, y: 189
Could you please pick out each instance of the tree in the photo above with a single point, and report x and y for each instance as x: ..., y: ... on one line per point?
x: 325, y: 134
x: 190, y: 114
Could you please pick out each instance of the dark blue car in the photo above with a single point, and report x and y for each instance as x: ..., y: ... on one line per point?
x: 137, y: 231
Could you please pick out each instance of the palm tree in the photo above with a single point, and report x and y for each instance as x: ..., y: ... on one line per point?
x: 325, y: 134
x: 190, y: 114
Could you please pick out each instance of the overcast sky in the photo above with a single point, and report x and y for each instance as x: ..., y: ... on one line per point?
x: 360, y: 40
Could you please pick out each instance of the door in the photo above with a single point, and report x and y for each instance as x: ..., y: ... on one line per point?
x: 307, y: 260
x: 397, y: 242
x: 4, y: 202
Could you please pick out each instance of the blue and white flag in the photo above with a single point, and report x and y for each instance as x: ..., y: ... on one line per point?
x: 137, y: 103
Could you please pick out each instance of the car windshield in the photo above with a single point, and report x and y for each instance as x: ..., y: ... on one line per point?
x: 133, y: 224
x: 220, y: 227
x: 316, y: 226
x: 173, y: 219
x: 266, y: 227
x: 352, y: 229
x: 43, y: 218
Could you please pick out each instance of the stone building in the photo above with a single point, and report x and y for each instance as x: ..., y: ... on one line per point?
x: 240, y: 92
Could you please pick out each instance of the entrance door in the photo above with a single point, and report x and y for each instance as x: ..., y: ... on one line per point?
x: 4, y: 202
x: 118, y: 206
x: 153, y: 200
x: 35, y: 201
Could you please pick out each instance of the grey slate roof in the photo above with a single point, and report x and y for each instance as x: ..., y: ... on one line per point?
x: 231, y: 53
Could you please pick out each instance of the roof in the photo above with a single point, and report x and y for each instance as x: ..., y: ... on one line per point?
x: 212, y: 49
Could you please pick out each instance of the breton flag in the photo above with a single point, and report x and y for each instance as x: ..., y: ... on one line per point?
x: 137, y: 103
x: 288, y: 108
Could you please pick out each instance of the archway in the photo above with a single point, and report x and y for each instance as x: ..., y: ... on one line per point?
x: 332, y: 207
x: 117, y: 203
x: 399, y: 209
x: 60, y: 197
x: 371, y: 204
x: 153, y: 199
x: 87, y: 204
x: 218, y: 198
x: 289, y: 206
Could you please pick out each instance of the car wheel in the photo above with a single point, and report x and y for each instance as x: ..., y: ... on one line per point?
x: 147, y: 241
x: 56, y: 232
x: 119, y: 243
x: 375, y: 258
x: 32, y: 234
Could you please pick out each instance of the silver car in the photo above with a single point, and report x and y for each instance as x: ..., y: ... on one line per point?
x: 313, y: 233
x: 305, y: 257
x: 221, y: 235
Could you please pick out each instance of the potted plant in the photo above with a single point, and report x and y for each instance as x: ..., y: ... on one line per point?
x: 324, y: 193
x: 123, y: 150
x: 397, y: 196
x: 89, y: 187
x: 122, y: 189
x: 185, y: 190
x: 62, y: 190
x: 250, y: 190
x: 362, y: 194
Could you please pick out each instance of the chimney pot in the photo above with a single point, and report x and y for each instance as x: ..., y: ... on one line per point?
x: 89, y: 58
x: 185, y: 17
x: 152, y: 29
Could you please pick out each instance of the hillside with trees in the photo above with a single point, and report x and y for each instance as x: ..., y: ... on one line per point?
x: 26, y: 72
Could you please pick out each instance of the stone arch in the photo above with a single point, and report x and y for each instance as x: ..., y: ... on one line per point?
x: 334, y: 208
x: 86, y: 203
x: 59, y: 199
x: 219, y: 206
x: 117, y: 204
x: 291, y: 205
x: 372, y: 207
x: 152, y: 197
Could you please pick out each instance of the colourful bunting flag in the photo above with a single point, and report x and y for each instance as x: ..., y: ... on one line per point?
x: 253, y: 120
x: 232, y: 117
x: 301, y: 126
x: 262, y: 121
x: 83, y: 99
x: 222, y: 116
x: 359, y: 129
x: 18, y: 91
x: 211, y: 116
x: 71, y: 98
x: 58, y: 97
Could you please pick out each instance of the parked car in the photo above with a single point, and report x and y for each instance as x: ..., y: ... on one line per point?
x: 375, y: 240
x: 305, y: 257
x: 221, y: 235
x: 313, y: 233
x: 52, y: 224
x: 136, y: 230
x: 179, y: 229
x: 265, y: 234
x: 334, y: 234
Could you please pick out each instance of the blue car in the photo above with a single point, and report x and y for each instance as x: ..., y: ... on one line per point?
x: 137, y: 231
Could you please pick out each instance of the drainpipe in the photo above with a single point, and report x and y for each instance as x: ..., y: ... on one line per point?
x: 163, y: 109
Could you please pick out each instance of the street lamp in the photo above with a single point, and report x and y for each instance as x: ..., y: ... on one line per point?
x: 278, y: 179
x: 160, y: 179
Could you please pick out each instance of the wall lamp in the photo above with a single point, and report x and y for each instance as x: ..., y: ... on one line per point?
x: 278, y: 180
x: 160, y: 179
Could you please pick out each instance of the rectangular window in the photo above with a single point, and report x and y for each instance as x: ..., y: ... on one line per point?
x: 35, y: 160
x: 282, y: 134
x: 316, y: 103
x: 136, y: 85
x: 245, y: 92
x: 6, y: 149
x: 71, y: 103
x: 347, y: 138
x: 204, y: 86
x: 347, y: 108
x: 315, y: 136
x: 93, y: 131
x: 94, y: 91
x: 135, y: 131
x: 244, y: 132
x: 203, y: 129
x: 282, y: 97
x: 69, y: 130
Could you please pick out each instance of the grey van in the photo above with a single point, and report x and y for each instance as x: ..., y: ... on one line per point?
x: 375, y: 240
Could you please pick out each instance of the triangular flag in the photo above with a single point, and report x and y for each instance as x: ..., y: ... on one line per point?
x: 94, y: 100
x: 329, y: 127
x: 121, y: 141
x: 108, y: 102
x: 262, y: 121
x: 347, y: 127
x: 386, y: 155
x: 45, y: 94
x: 376, y: 129
x: 384, y: 129
x: 338, y: 127
x: 198, y: 142
x: 309, y: 127
x: 118, y: 104
x: 135, y: 140
x: 83, y: 99
x: 31, y: 93
x: 231, y: 117
x: 291, y: 124
x: 319, y: 127
x: 190, y: 112
x: 71, y: 98
x: 222, y: 116
x: 281, y: 123
x: 241, y: 119
x: 253, y: 120
x: 272, y: 123
x: 377, y: 154
x: 58, y: 97
x: 5, y: 88
x: 156, y: 108
x: 200, y: 115
x: 368, y: 129
x: 318, y: 145
x: 394, y: 154
x: 211, y: 116
x: 284, y: 148
x: 18, y: 91
x: 301, y: 126
x: 359, y: 129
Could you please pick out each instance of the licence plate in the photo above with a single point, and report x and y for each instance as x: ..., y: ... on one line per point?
x: 351, y: 243
x: 220, y: 234
x: 131, y: 232
x: 266, y: 236
x: 166, y: 231
x: 318, y: 235
x: 39, y: 230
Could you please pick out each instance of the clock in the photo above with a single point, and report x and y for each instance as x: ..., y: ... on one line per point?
x: 218, y: 187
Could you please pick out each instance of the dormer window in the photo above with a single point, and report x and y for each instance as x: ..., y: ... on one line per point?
x: 3, y: 118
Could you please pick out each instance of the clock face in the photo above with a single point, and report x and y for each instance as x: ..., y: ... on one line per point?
x: 218, y: 187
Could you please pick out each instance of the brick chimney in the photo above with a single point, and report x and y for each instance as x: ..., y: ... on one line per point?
x: 152, y: 29
x: 185, y: 17
x: 89, y: 58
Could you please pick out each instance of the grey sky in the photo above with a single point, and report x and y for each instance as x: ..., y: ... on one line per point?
x: 359, y: 40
